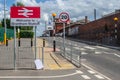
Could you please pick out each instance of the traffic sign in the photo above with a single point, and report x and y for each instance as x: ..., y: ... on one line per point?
x: 64, y: 17
x: 25, y: 16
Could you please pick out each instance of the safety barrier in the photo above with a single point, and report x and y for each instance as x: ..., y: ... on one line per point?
x: 70, y: 52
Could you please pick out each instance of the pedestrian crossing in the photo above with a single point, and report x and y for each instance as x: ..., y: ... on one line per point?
x: 91, y: 75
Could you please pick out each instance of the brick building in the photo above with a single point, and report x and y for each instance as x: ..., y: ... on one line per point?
x: 101, y: 30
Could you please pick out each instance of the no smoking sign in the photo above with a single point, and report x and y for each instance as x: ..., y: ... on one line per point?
x: 64, y: 17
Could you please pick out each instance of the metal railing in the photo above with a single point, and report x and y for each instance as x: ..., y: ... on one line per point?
x: 71, y: 52
x: 23, y: 58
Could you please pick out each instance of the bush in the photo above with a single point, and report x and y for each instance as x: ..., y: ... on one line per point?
x: 26, y: 34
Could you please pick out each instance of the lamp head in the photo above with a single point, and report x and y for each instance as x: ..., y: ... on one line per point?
x: 115, y: 19
x: 53, y: 14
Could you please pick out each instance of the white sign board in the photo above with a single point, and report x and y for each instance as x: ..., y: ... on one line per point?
x: 25, y: 22
x: 49, y: 27
x: 38, y: 64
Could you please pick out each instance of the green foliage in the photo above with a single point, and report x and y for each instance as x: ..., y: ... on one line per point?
x: 0, y: 25
x: 26, y: 34
x: 18, y: 4
x: 7, y: 23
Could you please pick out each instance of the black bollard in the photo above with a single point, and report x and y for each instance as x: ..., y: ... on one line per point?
x: 19, y: 42
x: 54, y: 46
x: 6, y: 42
x: 43, y: 42
x: 31, y: 42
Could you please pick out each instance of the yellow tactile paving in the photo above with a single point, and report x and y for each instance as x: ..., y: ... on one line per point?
x: 49, y: 62
x: 54, y: 66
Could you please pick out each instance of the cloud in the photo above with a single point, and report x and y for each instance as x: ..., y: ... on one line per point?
x: 61, y: 4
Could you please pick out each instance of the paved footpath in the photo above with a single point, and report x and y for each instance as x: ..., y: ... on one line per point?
x: 51, y: 61
x: 55, y: 68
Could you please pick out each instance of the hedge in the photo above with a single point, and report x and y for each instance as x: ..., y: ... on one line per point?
x: 26, y: 34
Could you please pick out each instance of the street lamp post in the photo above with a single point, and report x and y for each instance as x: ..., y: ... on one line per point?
x: 115, y: 20
x: 5, y: 22
x: 54, y: 42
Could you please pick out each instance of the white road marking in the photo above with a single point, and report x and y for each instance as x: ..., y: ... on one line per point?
x: 67, y: 49
x: 96, y: 71
x: 102, y: 47
x: 75, y: 44
x: 99, y: 77
x: 97, y: 52
x: 84, y: 53
x: 83, y: 59
x: 106, y: 52
x: 113, y: 54
x: 88, y: 47
x: 117, y: 55
x: 91, y: 72
x: 79, y: 72
x: 38, y: 77
x: 77, y: 48
x: 85, y: 77
x: 82, y: 49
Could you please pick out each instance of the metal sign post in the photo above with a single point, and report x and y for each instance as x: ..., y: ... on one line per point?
x: 35, y: 42
x: 14, y: 47
x: 64, y: 17
x: 64, y: 37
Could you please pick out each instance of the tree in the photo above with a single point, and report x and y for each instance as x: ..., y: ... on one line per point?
x: 7, y: 23
x: 18, y: 4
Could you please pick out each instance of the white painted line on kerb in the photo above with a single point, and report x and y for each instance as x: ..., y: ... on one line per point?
x: 117, y: 55
x: 91, y: 72
x: 99, y: 77
x: 85, y: 77
x: 42, y: 77
x: 96, y: 71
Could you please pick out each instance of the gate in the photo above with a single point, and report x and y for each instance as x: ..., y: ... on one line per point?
x: 25, y: 55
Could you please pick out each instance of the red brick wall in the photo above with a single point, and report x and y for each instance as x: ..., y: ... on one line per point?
x: 95, y: 30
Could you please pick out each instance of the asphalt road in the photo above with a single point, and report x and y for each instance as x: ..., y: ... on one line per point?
x: 103, y: 59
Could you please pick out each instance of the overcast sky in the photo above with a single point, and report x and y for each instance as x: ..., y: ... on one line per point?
x: 77, y: 9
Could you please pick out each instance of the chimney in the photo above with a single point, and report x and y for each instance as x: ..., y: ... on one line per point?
x: 86, y: 19
x: 94, y: 14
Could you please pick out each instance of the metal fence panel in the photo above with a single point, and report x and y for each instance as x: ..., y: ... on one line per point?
x: 6, y: 57
x: 25, y: 58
